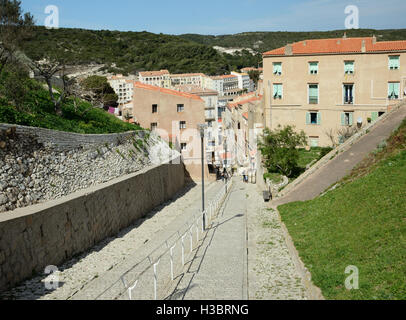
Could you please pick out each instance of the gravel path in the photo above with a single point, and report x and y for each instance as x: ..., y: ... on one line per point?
x: 131, y: 244
x: 272, y: 274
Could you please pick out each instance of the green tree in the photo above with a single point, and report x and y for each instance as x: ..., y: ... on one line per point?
x: 99, y: 91
x: 254, y: 76
x: 280, y: 149
x: 14, y: 27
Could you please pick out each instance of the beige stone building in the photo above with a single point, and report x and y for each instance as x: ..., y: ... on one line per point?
x: 175, y: 116
x: 326, y: 86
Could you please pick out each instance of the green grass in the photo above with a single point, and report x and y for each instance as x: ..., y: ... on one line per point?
x: 274, y: 177
x: 315, y: 153
x: 361, y: 223
x: 38, y: 111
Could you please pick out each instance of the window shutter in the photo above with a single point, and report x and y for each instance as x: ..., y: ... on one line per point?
x: 343, y: 119
x: 374, y: 116
x: 396, y: 88
x: 280, y: 90
x: 351, y: 118
x: 318, y: 118
x: 308, y: 119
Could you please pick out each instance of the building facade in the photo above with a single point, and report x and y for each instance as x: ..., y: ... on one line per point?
x: 327, y: 86
x: 175, y: 116
x: 122, y: 87
x: 156, y: 78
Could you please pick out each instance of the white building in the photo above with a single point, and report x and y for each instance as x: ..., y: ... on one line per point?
x: 244, y: 81
x: 122, y: 87
x: 156, y: 78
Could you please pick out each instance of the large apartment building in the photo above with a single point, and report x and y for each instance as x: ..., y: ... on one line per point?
x: 122, y: 87
x: 327, y: 85
x: 195, y: 79
x: 156, y: 78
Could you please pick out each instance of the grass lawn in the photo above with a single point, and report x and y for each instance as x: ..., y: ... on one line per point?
x: 362, y: 223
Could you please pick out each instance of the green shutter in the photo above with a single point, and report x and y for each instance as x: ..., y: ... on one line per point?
x: 374, y: 116
x: 396, y: 88
x: 343, y: 119
x: 308, y: 119
x: 351, y: 118
x: 318, y: 118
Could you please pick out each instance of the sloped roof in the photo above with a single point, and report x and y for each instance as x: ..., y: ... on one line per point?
x: 167, y: 91
x: 339, y: 46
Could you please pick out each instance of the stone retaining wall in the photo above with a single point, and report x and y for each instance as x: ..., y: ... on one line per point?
x: 50, y: 233
x: 68, y: 140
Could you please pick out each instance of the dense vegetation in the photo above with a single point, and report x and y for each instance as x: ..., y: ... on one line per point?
x: 265, y: 41
x: 129, y: 52
x: 361, y: 223
x: 37, y: 110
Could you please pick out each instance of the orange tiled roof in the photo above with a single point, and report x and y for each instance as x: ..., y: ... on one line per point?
x: 166, y: 91
x: 233, y: 105
x: 339, y: 45
x: 154, y: 73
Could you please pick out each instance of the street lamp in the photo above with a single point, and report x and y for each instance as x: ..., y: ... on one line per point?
x: 202, y: 128
x: 225, y: 160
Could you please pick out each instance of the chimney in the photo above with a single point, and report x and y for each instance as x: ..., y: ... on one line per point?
x: 304, y: 43
x: 373, y: 39
x: 288, y: 50
x: 345, y: 35
x: 363, y: 48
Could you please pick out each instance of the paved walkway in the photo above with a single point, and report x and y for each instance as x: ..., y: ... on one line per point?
x: 219, y: 268
x: 243, y: 256
x: 343, y: 163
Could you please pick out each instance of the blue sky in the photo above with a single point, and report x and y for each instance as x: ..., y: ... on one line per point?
x: 219, y: 16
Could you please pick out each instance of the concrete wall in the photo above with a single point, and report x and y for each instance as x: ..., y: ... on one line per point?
x: 370, y: 80
x: 50, y: 233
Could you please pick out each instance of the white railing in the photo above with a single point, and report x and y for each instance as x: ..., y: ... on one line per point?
x: 147, y: 271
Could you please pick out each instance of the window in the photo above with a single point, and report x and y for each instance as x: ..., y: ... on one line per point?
x: 182, y: 125
x: 210, y: 124
x: 394, y: 62
x: 313, y: 67
x: 181, y: 107
x: 277, y: 68
x: 154, y: 108
x: 313, y: 117
x: 183, y: 146
x: 393, y: 90
x: 154, y: 125
x: 277, y: 91
x: 347, y: 118
x: 348, y: 94
x: 313, y: 93
x: 349, y: 67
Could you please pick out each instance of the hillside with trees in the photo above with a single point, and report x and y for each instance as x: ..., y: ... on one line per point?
x: 265, y: 41
x: 131, y: 52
